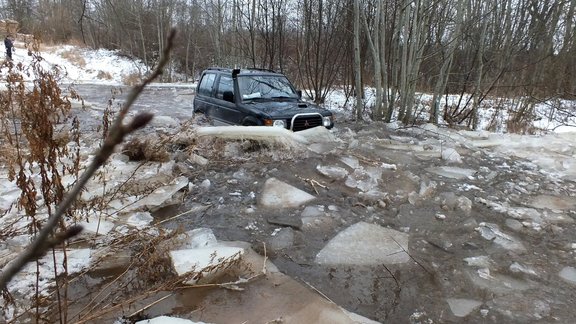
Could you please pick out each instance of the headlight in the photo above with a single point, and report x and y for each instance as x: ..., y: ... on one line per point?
x: 327, y: 121
x: 279, y: 123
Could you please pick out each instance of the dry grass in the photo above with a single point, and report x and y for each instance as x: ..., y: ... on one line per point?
x: 29, y: 123
x: 132, y: 79
x: 104, y: 75
x: 74, y: 56
x: 147, y: 149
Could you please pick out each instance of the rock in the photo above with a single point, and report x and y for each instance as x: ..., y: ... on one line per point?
x: 462, y: 307
x: 413, y: 198
x: 280, y: 240
x: 241, y: 175
x: 514, y: 224
x: 313, y: 211
x: 285, y: 220
x: 365, y: 244
x: 440, y: 216
x: 469, y: 224
x: 451, y: 155
x: 464, y: 204
x: 427, y: 189
x: 277, y: 194
x: 205, y: 184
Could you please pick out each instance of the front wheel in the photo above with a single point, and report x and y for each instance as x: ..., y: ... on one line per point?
x: 250, y: 122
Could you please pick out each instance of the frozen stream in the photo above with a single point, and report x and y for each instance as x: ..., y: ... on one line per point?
x: 415, y: 225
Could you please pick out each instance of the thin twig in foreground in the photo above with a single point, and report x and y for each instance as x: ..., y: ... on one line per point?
x: 115, y: 137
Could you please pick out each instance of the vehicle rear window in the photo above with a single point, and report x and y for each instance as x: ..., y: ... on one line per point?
x: 224, y: 85
x: 206, y: 84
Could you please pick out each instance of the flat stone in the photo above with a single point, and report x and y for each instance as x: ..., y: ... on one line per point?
x: 365, y: 244
x: 313, y: 211
x: 514, y: 224
x: 278, y: 194
x: 280, y: 240
x: 285, y: 220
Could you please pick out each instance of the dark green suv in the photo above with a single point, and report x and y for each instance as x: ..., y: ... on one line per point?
x: 256, y: 97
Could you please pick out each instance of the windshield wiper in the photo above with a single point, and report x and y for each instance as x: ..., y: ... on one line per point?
x: 283, y: 97
x: 256, y: 99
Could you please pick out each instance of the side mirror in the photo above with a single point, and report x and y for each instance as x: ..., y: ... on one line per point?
x: 228, y: 96
x: 299, y: 93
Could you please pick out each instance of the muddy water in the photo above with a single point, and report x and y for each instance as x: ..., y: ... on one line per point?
x: 442, y: 233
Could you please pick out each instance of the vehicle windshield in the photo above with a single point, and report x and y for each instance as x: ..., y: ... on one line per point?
x: 265, y: 87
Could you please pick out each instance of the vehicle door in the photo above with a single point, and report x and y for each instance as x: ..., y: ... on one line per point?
x: 227, y: 111
x: 204, y: 101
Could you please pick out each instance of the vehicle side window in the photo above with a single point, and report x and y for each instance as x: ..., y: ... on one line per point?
x: 224, y: 85
x: 206, y: 84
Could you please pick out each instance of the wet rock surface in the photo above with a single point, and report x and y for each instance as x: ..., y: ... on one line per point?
x: 483, y: 236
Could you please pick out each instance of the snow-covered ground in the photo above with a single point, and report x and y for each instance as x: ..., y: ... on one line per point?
x: 552, y: 153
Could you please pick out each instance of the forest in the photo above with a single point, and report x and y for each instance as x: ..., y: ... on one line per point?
x: 476, y: 48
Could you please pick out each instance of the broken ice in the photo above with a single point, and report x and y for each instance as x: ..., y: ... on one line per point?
x: 278, y: 194
x: 493, y: 233
x: 462, y: 307
x: 365, y: 244
x: 452, y: 172
x: 568, y: 274
x: 206, y: 262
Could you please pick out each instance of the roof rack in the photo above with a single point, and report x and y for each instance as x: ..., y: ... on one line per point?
x: 261, y: 69
x: 215, y: 68
x: 218, y: 68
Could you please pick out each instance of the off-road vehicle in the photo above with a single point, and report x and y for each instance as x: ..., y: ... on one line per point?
x: 256, y: 97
